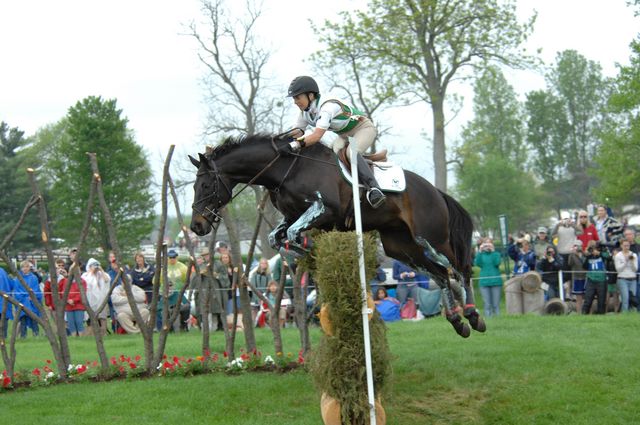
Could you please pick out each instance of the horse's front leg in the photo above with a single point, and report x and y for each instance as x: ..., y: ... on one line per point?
x: 278, y: 235
x: 308, y: 220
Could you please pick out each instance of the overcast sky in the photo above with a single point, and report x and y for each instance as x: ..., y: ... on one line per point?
x: 55, y: 53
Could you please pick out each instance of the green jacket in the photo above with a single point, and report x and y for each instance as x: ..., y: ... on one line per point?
x: 489, y: 263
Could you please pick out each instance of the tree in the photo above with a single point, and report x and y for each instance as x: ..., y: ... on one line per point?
x: 564, y: 126
x: 428, y: 44
x: 492, y: 174
x: 619, y: 157
x: 497, y: 127
x: 96, y: 125
x: 238, y: 98
x: 15, y: 190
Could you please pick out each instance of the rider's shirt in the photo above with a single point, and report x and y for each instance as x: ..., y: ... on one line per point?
x: 332, y: 114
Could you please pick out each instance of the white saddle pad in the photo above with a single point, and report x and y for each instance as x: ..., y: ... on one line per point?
x: 390, y: 176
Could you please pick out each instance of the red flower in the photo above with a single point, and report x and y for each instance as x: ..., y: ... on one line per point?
x: 132, y: 365
x: 138, y: 358
x: 164, y: 357
x: 6, y: 381
x: 167, y: 365
x: 95, y: 363
x: 225, y: 354
x: 113, y: 361
x: 81, y: 369
x: 122, y: 358
x: 48, y: 361
x: 4, y: 372
x: 121, y: 369
x: 176, y: 360
x: 36, y: 372
x: 189, y: 360
x: 244, y: 356
x: 207, y: 352
x: 215, y: 357
x: 47, y: 369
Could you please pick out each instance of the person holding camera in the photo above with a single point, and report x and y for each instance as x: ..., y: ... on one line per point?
x: 521, y: 253
x: 567, y: 232
x: 578, y: 274
x: 596, y: 282
x: 541, y: 243
x: 548, y: 267
x: 626, y: 262
x: 490, y: 278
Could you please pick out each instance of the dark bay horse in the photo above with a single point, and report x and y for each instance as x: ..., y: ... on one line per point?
x: 422, y: 226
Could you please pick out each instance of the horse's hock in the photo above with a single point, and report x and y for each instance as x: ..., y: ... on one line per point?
x: 343, y: 386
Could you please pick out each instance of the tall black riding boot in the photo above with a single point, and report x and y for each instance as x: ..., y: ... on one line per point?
x: 375, y: 197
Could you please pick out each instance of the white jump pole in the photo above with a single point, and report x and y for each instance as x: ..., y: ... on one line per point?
x: 363, y: 284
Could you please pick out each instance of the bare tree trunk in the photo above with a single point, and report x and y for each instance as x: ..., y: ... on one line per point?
x: 300, y: 311
x: 439, y: 151
x: 9, y: 355
x: 268, y: 213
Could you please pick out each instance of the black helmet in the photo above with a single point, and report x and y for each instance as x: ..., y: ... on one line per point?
x: 303, y: 84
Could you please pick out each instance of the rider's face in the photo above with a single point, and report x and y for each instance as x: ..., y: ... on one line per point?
x: 302, y: 100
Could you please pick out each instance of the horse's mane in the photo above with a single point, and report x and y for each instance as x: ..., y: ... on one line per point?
x: 232, y: 142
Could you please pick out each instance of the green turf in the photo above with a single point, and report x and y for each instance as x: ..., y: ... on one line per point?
x: 524, y: 370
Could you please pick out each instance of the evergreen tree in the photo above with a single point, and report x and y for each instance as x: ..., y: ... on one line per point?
x: 96, y: 125
x: 15, y: 190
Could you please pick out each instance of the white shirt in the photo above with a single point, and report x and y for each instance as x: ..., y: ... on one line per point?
x: 626, y: 267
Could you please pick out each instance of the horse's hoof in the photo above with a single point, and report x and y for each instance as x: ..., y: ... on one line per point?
x: 473, y: 316
x: 461, y: 328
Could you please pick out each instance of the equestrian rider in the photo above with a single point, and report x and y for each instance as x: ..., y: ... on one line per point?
x: 333, y: 115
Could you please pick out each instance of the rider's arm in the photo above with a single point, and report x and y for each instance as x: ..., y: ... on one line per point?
x: 314, y: 137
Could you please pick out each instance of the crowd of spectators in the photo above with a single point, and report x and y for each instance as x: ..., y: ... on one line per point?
x: 591, y: 260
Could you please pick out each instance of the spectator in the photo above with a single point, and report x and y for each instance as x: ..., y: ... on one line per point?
x: 613, y: 295
x: 73, y: 256
x: 217, y: 298
x: 112, y: 270
x: 407, y: 287
x: 630, y: 236
x: 588, y: 231
x: 378, y: 279
x: 61, y: 272
x: 98, y: 285
x: 221, y: 248
x: 272, y: 290
x: 6, y: 286
x: 548, y: 268
x: 566, y: 231
x: 262, y: 276
x: 541, y: 243
x: 626, y: 263
x: 142, y: 275
x: 277, y: 274
x: 609, y: 229
x: 225, y: 267
x: 388, y: 307
x: 524, y: 258
x: 123, y: 309
x: 74, y: 308
x: 22, y: 295
x: 490, y: 278
x: 596, y: 282
x: 177, y: 274
x: 576, y: 260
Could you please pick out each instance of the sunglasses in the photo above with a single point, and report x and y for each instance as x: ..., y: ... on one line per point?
x: 583, y: 216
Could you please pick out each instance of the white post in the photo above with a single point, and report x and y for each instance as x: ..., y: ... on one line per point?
x: 561, y: 280
x: 363, y: 284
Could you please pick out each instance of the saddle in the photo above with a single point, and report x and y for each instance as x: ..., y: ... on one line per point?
x: 380, y: 156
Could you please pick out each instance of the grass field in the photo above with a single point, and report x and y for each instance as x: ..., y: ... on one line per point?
x: 524, y: 370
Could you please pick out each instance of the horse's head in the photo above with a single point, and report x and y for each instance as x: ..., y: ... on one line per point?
x: 211, y: 193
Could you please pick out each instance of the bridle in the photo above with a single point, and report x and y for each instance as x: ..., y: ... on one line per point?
x: 218, y: 181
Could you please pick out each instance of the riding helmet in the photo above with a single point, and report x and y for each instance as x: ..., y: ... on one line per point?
x: 303, y: 84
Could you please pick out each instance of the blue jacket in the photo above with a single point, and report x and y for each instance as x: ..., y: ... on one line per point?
x: 399, y: 268
x: 6, y: 285
x: 524, y: 262
x: 22, y: 295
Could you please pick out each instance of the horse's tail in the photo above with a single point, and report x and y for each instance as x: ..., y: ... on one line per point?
x: 460, y: 234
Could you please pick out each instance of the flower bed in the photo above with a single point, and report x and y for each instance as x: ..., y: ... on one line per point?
x: 126, y: 367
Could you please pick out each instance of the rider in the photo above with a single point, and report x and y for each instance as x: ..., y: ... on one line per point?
x: 335, y: 116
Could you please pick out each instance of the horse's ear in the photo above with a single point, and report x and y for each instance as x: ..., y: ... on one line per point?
x: 194, y: 161
x: 203, y: 159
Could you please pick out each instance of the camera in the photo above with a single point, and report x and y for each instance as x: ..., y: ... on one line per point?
x: 590, y: 250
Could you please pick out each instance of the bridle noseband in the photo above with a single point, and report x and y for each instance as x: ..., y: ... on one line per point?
x: 217, y: 182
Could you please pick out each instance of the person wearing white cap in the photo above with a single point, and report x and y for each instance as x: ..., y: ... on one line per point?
x: 98, y: 284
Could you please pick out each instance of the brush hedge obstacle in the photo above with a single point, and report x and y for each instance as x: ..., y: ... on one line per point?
x: 338, y: 364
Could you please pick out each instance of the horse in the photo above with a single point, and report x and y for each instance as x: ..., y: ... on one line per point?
x: 421, y: 226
